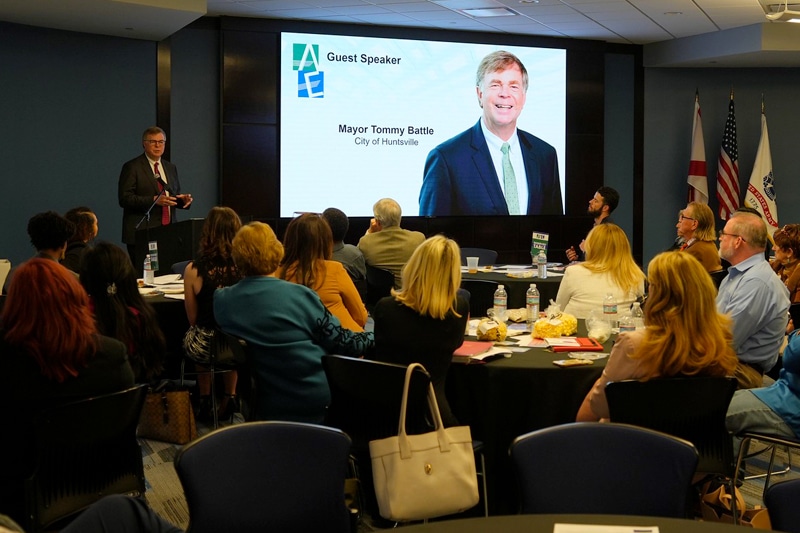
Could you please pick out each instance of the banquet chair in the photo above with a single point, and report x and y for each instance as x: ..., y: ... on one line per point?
x: 365, y: 403
x: 266, y: 476
x: 223, y: 343
x: 691, y: 408
x: 485, y: 256
x: 718, y: 276
x: 781, y: 500
x: 380, y: 282
x: 577, y: 469
x: 5, y: 268
x: 179, y: 267
x: 85, y: 450
x: 773, y: 442
x: 481, y: 295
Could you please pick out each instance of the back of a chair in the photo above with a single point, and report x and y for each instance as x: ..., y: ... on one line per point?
x: 481, y: 295
x: 266, y: 476
x: 380, y: 282
x: 179, y: 267
x: 782, y: 501
x: 485, y: 256
x: 598, y: 468
x: 718, y: 276
x: 692, y: 408
x: 85, y: 450
x: 366, y: 396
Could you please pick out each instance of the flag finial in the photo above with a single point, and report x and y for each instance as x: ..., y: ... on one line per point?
x: 762, y: 103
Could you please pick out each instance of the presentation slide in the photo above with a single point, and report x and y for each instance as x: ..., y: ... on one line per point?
x: 359, y: 115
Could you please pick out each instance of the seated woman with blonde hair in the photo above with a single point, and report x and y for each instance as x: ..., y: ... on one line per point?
x: 308, y: 246
x: 424, y: 321
x: 609, y: 268
x: 684, y: 335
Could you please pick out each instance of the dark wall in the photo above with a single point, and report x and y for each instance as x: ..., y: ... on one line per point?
x: 73, y: 107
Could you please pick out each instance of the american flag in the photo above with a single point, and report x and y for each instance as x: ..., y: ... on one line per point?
x: 728, y: 168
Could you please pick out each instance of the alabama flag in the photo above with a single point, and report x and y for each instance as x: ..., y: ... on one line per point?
x: 761, y: 190
x: 698, y: 176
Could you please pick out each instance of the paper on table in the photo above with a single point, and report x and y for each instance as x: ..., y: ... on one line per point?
x: 589, y: 528
x: 167, y: 279
x: 562, y: 341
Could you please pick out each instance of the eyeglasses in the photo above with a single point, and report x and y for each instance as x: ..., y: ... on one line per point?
x: 157, y: 143
x: 681, y: 218
x: 723, y: 234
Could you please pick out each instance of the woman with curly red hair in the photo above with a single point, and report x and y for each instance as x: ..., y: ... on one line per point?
x: 50, y: 351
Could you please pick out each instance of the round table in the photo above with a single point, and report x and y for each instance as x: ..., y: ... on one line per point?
x: 545, y: 523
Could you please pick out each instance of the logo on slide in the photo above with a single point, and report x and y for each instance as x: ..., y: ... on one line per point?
x: 310, y: 79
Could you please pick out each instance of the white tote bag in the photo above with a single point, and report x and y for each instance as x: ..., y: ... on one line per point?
x: 424, y: 476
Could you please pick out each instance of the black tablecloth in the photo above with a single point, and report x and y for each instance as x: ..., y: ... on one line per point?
x: 545, y: 522
x: 505, y: 398
x: 171, y: 315
x: 517, y: 287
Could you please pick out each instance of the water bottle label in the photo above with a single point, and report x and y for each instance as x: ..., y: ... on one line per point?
x: 624, y: 328
x: 532, y: 300
x: 609, y: 309
x: 501, y: 302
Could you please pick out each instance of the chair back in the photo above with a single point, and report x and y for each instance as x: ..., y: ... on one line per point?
x: 380, y: 282
x: 781, y: 501
x: 598, y: 468
x: 179, y: 267
x: 85, y: 450
x: 5, y: 268
x: 481, y: 295
x: 692, y: 408
x: 366, y: 397
x: 266, y: 476
x: 717, y: 276
x: 485, y: 256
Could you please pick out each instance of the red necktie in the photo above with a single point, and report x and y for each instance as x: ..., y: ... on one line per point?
x: 684, y: 246
x: 164, y: 208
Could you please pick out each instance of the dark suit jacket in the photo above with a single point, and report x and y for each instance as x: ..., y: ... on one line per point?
x: 460, y: 178
x: 136, y: 189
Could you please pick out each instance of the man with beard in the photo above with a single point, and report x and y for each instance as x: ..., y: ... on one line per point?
x: 601, y: 206
x: 753, y: 296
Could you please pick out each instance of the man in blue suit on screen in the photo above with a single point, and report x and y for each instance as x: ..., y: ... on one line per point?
x: 493, y: 168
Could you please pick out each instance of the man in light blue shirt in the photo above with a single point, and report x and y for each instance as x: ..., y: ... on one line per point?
x: 753, y: 296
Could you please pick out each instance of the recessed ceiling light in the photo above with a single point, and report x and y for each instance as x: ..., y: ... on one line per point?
x: 528, y: 1
x: 489, y: 12
x: 673, y: 13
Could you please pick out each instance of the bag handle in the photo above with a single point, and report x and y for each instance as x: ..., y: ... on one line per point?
x: 433, y: 406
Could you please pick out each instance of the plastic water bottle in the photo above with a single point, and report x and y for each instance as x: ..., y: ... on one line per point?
x: 637, y: 315
x: 541, y: 261
x: 610, y: 310
x: 149, y: 274
x: 500, y: 303
x: 532, y: 305
x: 626, y: 323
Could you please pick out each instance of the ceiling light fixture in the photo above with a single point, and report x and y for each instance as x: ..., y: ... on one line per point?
x: 787, y: 15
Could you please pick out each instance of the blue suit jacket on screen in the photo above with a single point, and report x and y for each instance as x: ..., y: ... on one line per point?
x: 460, y: 178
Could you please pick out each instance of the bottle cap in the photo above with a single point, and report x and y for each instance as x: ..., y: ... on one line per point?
x: 500, y: 287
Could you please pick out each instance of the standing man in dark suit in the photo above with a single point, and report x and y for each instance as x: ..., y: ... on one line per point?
x: 493, y: 168
x: 141, y: 181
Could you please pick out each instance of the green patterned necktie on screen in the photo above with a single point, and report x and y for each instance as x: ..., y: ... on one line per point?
x: 509, y: 182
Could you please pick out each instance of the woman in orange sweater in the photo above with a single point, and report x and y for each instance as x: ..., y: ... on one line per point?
x: 308, y: 245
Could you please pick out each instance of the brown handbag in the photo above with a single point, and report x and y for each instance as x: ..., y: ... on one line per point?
x: 167, y: 416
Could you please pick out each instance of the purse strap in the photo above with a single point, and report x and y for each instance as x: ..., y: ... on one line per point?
x: 433, y: 405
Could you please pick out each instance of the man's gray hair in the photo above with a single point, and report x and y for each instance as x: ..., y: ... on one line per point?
x: 751, y: 228
x: 387, y: 212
